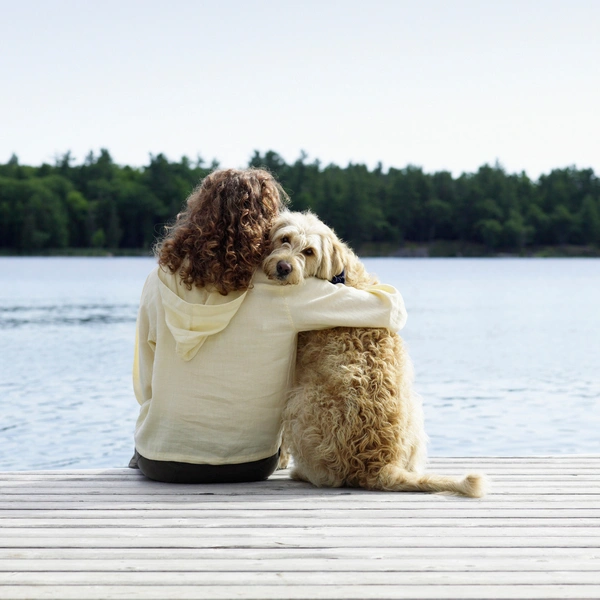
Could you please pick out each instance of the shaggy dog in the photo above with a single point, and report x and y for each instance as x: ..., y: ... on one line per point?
x: 352, y: 418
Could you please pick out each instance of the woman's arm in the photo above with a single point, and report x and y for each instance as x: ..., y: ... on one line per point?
x: 318, y: 304
x: 143, y: 358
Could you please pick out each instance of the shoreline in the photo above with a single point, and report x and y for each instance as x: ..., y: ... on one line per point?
x: 452, y: 249
x: 440, y: 249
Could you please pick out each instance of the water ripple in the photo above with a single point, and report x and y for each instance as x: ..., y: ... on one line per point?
x: 66, y: 314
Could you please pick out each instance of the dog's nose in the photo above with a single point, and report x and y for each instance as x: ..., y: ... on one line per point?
x: 283, y: 268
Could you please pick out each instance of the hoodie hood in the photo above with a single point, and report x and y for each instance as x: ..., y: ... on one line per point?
x: 191, y: 323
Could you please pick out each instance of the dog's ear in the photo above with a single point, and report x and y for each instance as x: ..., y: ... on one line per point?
x: 332, y: 261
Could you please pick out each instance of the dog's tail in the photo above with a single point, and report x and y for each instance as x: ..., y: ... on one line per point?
x: 395, y: 479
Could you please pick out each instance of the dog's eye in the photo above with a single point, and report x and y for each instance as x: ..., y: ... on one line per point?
x: 308, y: 252
x: 285, y: 239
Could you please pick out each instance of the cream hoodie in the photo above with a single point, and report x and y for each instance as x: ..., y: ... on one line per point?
x: 210, y: 371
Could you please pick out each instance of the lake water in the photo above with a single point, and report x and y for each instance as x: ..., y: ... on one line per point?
x: 506, y: 353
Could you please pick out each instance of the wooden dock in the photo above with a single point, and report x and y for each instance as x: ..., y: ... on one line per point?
x: 113, y: 534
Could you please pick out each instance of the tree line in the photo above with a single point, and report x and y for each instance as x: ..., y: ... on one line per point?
x: 101, y: 205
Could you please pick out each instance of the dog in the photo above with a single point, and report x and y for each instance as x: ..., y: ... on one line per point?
x: 351, y: 418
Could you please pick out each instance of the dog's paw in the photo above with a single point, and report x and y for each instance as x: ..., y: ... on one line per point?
x: 284, y: 459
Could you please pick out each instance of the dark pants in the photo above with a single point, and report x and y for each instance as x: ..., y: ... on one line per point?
x: 179, y: 472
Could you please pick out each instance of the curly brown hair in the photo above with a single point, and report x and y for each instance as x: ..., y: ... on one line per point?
x: 222, y: 236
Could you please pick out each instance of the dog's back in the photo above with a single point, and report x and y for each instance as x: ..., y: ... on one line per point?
x: 353, y: 411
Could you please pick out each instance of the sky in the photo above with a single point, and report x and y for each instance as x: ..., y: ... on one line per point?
x: 444, y: 85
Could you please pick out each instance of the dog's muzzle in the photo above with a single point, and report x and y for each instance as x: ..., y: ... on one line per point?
x: 283, y: 269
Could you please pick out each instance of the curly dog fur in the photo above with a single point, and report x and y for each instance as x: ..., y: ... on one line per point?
x: 352, y: 417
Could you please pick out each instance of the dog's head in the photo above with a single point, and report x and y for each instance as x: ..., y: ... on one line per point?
x: 303, y: 246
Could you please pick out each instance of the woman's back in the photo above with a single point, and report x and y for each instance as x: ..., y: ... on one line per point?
x: 221, y: 364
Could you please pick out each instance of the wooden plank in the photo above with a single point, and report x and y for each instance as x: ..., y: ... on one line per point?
x: 506, y: 476
x: 296, y: 518
x: 374, y: 501
x: 511, y: 471
x: 58, y: 492
x: 429, y: 555
x: 545, y: 459
x: 475, y: 563
x: 250, y: 504
x: 491, y: 591
x: 285, y: 578
x: 509, y: 476
x: 507, y: 472
x: 516, y: 466
x: 184, y: 529
x: 62, y: 540
x: 543, y: 465
x: 350, y: 497
x: 498, y: 481
x: 432, y: 462
x: 502, y: 510
x: 305, y: 491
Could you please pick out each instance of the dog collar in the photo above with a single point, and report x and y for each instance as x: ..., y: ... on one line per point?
x: 341, y: 278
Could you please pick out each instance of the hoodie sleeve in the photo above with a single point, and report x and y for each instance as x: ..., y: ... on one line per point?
x: 143, y: 358
x: 319, y: 304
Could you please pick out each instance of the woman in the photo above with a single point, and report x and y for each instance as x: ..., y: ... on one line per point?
x: 215, y: 341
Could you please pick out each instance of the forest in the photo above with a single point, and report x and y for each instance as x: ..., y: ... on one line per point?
x: 100, y: 207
